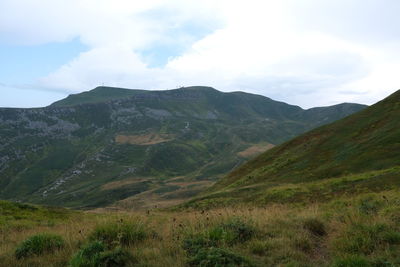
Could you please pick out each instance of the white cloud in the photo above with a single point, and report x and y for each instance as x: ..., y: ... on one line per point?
x: 307, y: 52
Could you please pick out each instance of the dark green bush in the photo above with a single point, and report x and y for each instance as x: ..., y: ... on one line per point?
x: 119, y: 234
x: 88, y: 256
x: 117, y: 257
x: 315, y: 226
x: 39, y: 244
x: 95, y: 254
x: 212, y: 257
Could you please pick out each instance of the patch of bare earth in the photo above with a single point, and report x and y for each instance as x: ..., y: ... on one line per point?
x: 255, y: 150
x: 143, y: 139
x: 150, y: 199
x: 121, y: 183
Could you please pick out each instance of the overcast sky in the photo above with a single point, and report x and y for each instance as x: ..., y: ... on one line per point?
x: 304, y: 52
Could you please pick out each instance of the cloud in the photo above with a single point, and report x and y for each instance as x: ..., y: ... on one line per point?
x: 307, y: 53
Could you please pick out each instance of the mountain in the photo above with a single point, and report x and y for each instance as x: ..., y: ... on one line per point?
x: 357, y: 154
x: 143, y: 147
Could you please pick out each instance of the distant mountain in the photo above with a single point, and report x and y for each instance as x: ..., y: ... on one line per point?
x: 144, y: 147
x: 358, y: 154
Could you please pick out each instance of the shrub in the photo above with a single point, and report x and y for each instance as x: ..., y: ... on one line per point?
x: 88, y: 256
x: 95, y: 254
x: 38, y: 245
x: 211, y: 257
x: 315, y: 226
x: 116, y: 234
x: 117, y: 257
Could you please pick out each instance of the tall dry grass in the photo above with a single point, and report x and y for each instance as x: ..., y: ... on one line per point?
x: 285, y: 235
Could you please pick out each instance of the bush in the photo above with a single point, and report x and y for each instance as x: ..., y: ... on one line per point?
x: 88, y: 256
x: 95, y: 254
x: 119, y: 234
x: 38, y: 245
x: 315, y: 226
x: 211, y: 257
x: 117, y: 257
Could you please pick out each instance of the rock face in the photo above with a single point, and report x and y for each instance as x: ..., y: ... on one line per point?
x: 171, y: 144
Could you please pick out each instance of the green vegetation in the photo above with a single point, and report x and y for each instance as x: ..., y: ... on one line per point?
x: 358, y: 154
x: 327, y: 198
x: 330, y: 233
x: 38, y: 245
x: 97, y: 148
x: 210, y: 257
x: 95, y: 254
x: 121, y: 233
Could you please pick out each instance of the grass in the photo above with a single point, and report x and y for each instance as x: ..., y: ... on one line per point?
x: 120, y: 233
x: 340, y: 232
x: 38, y: 245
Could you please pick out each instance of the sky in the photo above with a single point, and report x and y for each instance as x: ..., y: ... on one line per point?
x: 303, y: 52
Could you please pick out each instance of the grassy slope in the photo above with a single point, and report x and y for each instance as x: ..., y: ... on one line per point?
x: 363, y: 147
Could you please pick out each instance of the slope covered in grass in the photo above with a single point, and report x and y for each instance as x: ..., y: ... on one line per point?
x: 358, y: 153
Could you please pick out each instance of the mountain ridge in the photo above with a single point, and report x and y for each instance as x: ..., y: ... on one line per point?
x: 171, y: 144
x: 359, y: 151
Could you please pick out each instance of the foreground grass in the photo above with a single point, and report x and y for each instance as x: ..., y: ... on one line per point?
x: 360, y: 231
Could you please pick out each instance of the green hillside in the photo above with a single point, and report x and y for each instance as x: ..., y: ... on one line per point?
x: 360, y: 153
x: 143, y: 147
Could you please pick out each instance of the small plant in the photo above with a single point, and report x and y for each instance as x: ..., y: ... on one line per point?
x: 119, y: 234
x: 211, y: 257
x: 315, y: 226
x: 38, y: 245
x: 95, y: 254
